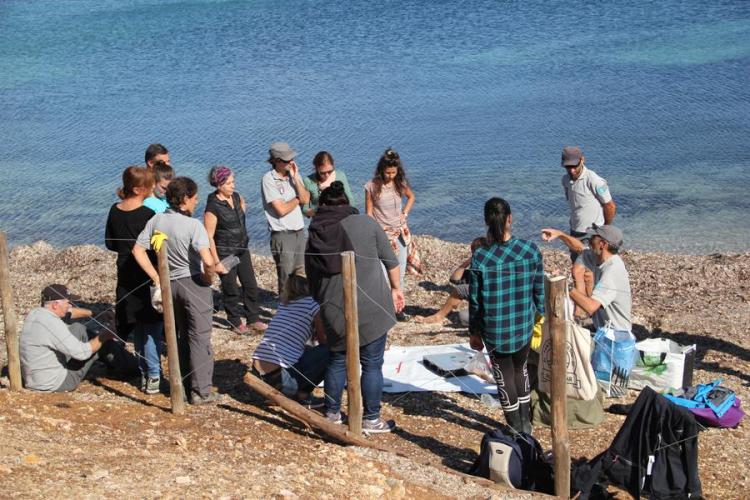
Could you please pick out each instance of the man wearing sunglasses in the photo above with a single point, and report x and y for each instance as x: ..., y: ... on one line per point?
x: 587, y: 194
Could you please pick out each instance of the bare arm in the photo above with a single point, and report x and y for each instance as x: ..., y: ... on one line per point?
x: 409, y: 193
x: 584, y: 302
x: 458, y: 272
x: 284, y: 207
x: 574, y: 244
x: 80, y: 312
x: 141, y: 257
x: 208, y: 265
x: 302, y: 193
x: 394, y: 276
x: 368, y: 203
x: 609, y: 211
x: 210, y: 220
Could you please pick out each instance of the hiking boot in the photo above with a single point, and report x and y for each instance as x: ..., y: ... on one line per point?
x: 513, y: 419
x: 377, y: 426
x: 151, y: 385
x: 197, y: 399
x: 334, y: 418
x: 524, y: 410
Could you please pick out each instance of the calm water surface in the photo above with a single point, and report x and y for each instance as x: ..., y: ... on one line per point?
x: 478, y: 97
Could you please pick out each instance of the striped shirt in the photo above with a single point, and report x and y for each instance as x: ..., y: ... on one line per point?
x: 283, y: 343
x: 506, y: 289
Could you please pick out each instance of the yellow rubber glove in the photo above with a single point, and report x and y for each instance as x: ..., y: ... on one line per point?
x: 157, y: 239
x: 536, y: 337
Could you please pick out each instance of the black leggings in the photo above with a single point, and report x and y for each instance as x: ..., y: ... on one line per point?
x: 512, y: 377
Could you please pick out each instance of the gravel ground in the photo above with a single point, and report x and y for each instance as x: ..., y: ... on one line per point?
x: 108, y: 439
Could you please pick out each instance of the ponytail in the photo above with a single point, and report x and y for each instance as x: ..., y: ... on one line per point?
x: 135, y: 177
x: 496, y: 213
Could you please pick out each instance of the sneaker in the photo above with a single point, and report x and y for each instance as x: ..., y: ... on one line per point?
x: 152, y: 385
x: 377, y: 426
x: 197, y: 399
x: 259, y: 326
x: 334, y: 418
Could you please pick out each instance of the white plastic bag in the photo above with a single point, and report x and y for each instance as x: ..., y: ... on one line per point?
x: 662, y: 364
x: 479, y: 366
x: 156, y: 301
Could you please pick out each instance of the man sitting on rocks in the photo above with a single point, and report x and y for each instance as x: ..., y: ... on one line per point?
x: 459, y: 282
x: 55, y: 356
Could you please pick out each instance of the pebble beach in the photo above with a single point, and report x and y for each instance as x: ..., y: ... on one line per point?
x: 121, y: 439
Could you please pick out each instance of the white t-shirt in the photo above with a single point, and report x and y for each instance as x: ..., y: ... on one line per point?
x: 586, y: 195
x: 274, y: 187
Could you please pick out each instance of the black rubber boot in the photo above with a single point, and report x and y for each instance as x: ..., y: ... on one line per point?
x: 513, y: 419
x: 525, y: 414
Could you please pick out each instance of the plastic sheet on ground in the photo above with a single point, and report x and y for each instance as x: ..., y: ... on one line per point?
x: 403, y: 371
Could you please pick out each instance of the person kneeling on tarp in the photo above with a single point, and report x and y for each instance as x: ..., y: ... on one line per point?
x: 55, y: 356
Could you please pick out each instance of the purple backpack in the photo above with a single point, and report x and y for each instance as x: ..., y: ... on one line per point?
x: 731, y: 418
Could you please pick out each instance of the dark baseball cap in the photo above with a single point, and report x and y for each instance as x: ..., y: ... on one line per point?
x: 607, y: 232
x: 571, y: 156
x: 57, y: 292
x: 281, y: 151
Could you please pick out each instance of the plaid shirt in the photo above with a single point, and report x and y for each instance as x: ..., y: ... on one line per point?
x: 506, y: 289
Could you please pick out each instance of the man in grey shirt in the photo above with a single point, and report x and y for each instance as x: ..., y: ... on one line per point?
x: 283, y: 193
x: 610, y: 300
x: 54, y: 356
x: 587, y: 193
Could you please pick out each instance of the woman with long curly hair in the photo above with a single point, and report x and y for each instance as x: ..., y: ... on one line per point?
x: 384, y: 196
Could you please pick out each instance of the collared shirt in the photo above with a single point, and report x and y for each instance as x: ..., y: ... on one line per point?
x: 276, y: 187
x: 586, y: 195
x: 506, y: 289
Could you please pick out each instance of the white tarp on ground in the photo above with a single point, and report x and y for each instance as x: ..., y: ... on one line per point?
x: 403, y: 371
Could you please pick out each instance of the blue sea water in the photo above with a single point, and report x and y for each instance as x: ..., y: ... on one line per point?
x: 478, y: 97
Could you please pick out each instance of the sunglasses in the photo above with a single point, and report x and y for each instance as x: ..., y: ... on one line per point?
x: 324, y: 172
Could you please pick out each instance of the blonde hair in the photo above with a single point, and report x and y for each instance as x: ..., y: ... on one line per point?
x: 295, y: 287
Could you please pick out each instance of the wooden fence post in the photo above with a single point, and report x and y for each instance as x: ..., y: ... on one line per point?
x: 351, y: 315
x: 176, y: 390
x: 9, y: 318
x: 554, y: 298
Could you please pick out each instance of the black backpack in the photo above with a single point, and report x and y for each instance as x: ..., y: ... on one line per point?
x: 514, y: 458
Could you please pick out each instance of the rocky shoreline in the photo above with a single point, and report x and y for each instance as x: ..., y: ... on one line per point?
x: 242, y: 448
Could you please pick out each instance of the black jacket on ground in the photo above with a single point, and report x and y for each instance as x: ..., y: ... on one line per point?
x: 655, y: 453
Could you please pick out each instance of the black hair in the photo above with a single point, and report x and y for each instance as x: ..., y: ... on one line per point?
x: 178, y: 190
x: 496, y: 213
x: 389, y: 159
x: 154, y: 150
x: 334, y: 195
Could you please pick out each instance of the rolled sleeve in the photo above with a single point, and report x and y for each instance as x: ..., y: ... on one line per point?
x: 269, y: 189
x: 539, y: 284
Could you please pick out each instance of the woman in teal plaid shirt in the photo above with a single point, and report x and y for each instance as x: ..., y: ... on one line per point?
x: 506, y: 290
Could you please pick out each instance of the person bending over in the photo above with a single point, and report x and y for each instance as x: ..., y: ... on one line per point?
x: 283, y: 359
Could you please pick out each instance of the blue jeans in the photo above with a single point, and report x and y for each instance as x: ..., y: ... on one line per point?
x: 307, y: 372
x: 402, y: 256
x: 371, y: 359
x: 147, y: 338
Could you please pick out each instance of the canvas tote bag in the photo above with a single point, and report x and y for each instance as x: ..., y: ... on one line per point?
x: 580, y: 377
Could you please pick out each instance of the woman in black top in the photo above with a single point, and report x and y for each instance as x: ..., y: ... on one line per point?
x: 133, y: 311
x: 225, y: 223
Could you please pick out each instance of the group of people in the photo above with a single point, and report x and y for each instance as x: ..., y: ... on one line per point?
x: 304, y: 343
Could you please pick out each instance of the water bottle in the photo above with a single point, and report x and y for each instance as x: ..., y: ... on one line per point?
x: 230, y: 261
